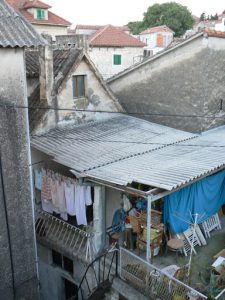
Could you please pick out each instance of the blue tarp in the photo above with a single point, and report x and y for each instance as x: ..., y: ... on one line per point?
x: 204, y: 198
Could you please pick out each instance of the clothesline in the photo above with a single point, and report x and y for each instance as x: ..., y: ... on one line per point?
x: 62, y: 195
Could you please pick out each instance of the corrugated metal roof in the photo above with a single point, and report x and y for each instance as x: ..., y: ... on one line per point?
x: 117, y: 149
x: 15, y: 31
x: 170, y: 167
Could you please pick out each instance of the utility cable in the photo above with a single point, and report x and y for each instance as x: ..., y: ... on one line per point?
x: 107, y: 111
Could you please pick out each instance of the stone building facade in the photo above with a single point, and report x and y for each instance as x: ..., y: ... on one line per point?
x: 182, y: 87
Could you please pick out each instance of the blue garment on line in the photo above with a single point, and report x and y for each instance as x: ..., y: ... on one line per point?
x: 118, y: 221
x: 204, y: 198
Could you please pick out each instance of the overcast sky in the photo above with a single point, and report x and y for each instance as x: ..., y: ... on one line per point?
x: 120, y: 12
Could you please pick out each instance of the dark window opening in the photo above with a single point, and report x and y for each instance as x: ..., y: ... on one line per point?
x: 78, y: 86
x: 221, y: 104
x: 57, y: 258
x: 67, y: 264
x: 62, y: 261
x: 70, y: 289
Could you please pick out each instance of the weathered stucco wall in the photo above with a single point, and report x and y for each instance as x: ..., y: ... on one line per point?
x: 96, y: 97
x: 15, y: 192
x: 113, y: 200
x: 186, y: 81
x: 50, y: 29
x: 103, y: 59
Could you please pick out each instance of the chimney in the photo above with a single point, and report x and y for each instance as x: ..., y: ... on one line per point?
x: 46, y: 77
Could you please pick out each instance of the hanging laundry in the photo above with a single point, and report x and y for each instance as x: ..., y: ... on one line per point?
x: 87, y: 195
x: 80, y: 205
x: 54, y: 186
x: 70, y: 197
x: 60, y: 197
x: 46, y: 199
x: 38, y: 179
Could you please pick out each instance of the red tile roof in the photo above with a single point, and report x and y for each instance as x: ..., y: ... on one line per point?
x: 110, y: 36
x: 214, y: 33
x: 36, y: 4
x: 21, y: 6
x: 97, y: 27
x: 162, y: 28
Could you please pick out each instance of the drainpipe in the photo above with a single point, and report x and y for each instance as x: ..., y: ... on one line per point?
x: 148, y: 250
x: 31, y: 186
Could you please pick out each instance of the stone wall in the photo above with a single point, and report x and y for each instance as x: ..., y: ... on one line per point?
x: 18, y: 276
x: 181, y: 88
x: 103, y: 58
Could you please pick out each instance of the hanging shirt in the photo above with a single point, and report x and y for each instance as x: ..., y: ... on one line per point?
x: 80, y: 205
x: 38, y: 179
x: 87, y: 195
x: 60, y: 197
x: 70, y: 198
x: 46, y: 199
x: 54, y: 186
x: 46, y: 188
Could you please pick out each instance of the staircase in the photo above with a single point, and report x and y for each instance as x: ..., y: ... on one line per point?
x: 98, y: 277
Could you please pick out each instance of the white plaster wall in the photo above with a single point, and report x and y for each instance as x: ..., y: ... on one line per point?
x: 96, y: 97
x: 12, y: 60
x: 149, y: 39
x: 50, y: 29
x: 220, y: 26
x: 112, y: 203
x: 103, y: 59
x: 85, y: 31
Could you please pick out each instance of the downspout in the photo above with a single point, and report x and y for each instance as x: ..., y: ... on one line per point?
x: 31, y: 183
x: 148, y: 250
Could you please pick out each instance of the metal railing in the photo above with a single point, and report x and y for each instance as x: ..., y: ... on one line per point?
x: 63, y: 235
x: 151, y: 281
x: 98, y: 276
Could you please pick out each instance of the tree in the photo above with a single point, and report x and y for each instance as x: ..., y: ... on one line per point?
x: 176, y: 16
x: 202, y: 17
x: 136, y: 27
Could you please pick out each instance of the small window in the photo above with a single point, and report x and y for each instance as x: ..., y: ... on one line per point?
x: 62, y: 261
x: 117, y: 59
x: 40, y: 14
x: 67, y: 264
x: 70, y: 289
x: 78, y: 86
x: 57, y: 258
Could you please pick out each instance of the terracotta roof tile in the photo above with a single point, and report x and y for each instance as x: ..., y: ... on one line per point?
x: 97, y: 27
x: 110, y: 36
x: 214, y: 33
x: 53, y: 19
x: 36, y: 4
x: 162, y: 28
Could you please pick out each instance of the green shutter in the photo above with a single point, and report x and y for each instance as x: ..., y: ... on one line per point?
x: 117, y: 59
x: 40, y: 14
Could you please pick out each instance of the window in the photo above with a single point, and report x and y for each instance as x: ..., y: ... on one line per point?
x: 117, y: 59
x: 62, y: 261
x: 70, y: 289
x: 78, y: 86
x: 40, y: 13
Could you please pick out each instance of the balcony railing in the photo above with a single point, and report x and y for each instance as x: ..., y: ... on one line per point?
x: 52, y: 231
x: 151, y: 281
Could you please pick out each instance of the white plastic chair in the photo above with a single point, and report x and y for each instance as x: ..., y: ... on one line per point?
x: 210, y: 224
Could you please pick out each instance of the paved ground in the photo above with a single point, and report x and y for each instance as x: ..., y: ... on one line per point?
x: 201, y: 263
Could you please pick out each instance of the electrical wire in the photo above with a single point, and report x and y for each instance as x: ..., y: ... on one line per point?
x: 107, y: 111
